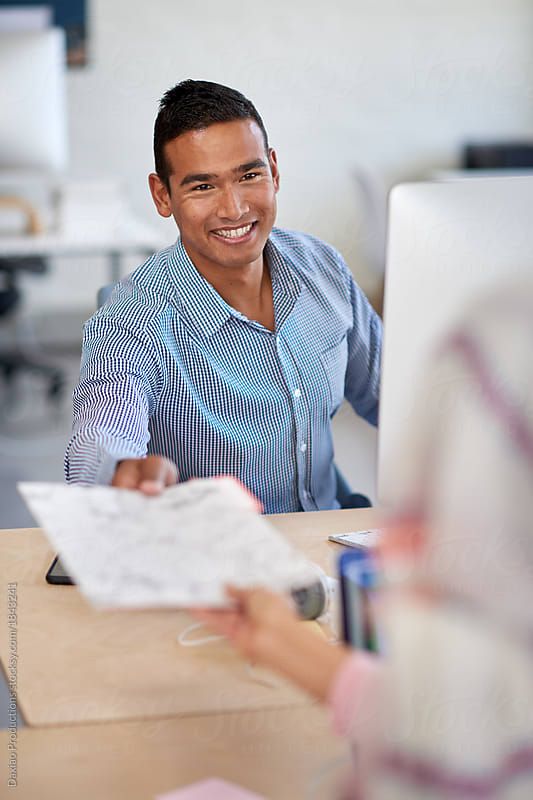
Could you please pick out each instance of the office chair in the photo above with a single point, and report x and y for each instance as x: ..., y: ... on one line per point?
x: 16, y: 359
x: 345, y: 496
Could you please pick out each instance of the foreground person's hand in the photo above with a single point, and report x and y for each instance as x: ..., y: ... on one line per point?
x: 149, y: 475
x: 264, y: 627
x: 254, y: 621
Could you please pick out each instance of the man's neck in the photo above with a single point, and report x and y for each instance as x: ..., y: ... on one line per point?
x: 247, y: 288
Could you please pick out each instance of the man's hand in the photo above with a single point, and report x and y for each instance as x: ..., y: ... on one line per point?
x: 149, y: 475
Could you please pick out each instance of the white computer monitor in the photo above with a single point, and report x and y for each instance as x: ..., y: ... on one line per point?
x: 447, y: 243
x: 33, y: 124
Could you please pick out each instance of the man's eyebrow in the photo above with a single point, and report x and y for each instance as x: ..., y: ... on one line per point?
x: 200, y: 177
x: 257, y: 164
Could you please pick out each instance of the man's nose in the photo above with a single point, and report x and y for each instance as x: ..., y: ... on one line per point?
x: 232, y: 205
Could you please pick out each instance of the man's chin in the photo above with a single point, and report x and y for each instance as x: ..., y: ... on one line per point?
x: 217, y: 254
x: 238, y: 254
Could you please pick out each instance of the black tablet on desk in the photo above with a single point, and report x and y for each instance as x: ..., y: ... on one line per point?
x: 57, y: 574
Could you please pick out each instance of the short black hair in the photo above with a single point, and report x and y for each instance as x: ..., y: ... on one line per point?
x: 194, y: 105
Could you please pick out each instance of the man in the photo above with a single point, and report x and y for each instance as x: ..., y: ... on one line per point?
x: 230, y: 351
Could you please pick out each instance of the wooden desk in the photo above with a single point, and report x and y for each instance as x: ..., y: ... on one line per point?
x: 282, y: 754
x: 173, y: 716
x: 78, y: 665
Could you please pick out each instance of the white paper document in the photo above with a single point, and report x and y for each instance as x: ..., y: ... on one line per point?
x: 180, y: 549
x: 368, y: 538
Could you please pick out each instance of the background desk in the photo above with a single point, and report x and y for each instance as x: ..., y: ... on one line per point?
x: 130, y: 237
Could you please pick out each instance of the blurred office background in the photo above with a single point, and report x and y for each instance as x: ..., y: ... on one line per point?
x: 356, y: 96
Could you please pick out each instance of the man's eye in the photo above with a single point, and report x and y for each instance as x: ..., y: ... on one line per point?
x: 250, y: 175
x: 202, y: 187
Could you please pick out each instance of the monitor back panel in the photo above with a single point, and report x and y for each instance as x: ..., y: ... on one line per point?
x: 447, y: 243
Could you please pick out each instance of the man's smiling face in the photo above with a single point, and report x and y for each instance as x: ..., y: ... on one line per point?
x: 223, y: 187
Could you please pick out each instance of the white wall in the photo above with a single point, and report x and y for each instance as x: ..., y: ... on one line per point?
x: 391, y: 85
x: 394, y: 85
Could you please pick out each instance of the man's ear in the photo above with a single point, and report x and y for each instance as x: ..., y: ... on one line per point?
x: 273, y: 161
x: 160, y: 195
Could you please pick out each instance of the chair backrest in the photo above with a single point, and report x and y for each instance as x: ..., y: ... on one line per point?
x: 104, y: 293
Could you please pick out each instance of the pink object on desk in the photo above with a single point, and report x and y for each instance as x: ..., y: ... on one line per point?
x: 211, y: 789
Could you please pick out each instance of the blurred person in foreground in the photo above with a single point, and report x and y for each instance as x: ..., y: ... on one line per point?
x: 448, y: 711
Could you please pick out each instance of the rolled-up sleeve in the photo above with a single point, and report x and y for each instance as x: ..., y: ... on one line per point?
x: 112, y: 402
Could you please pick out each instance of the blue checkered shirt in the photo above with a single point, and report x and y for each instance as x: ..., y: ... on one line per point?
x: 169, y: 368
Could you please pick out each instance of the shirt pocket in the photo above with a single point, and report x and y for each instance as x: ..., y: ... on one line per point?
x: 334, y: 361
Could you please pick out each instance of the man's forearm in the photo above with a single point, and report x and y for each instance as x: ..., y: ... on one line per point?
x: 92, y: 457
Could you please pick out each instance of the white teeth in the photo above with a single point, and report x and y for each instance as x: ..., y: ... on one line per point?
x: 236, y: 233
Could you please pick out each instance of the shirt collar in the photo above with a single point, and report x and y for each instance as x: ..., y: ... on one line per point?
x: 206, y: 310
x: 286, y: 285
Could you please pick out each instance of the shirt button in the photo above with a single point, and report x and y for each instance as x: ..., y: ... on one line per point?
x: 297, y: 393
x: 303, y: 447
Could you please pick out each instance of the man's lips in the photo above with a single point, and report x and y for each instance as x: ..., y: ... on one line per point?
x: 236, y: 234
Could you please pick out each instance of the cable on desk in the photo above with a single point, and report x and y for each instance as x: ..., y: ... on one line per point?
x: 183, y: 639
